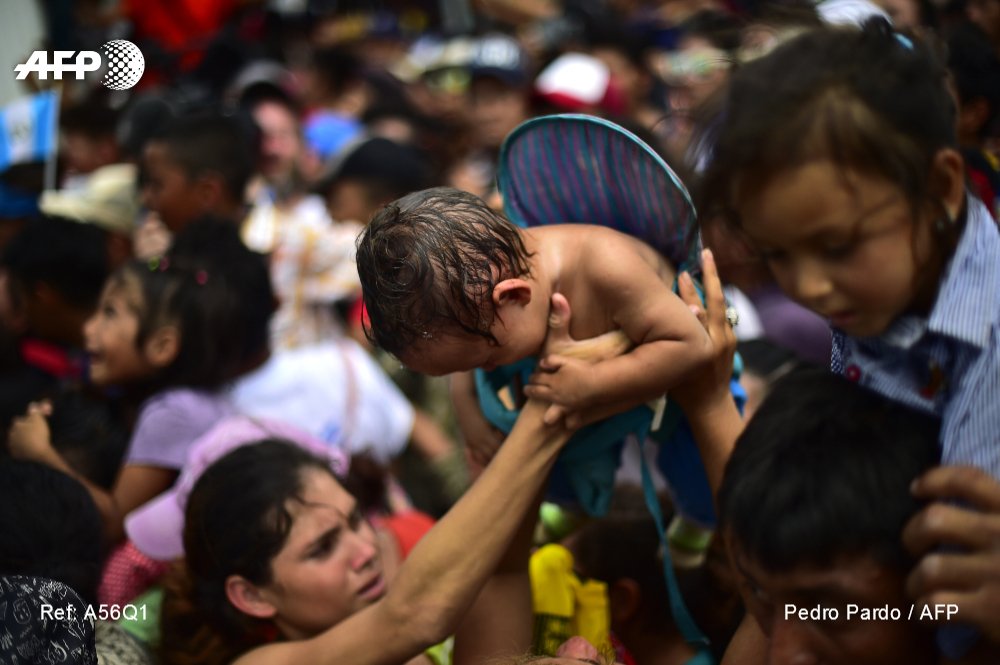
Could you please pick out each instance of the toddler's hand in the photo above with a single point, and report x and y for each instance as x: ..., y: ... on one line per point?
x: 29, y: 436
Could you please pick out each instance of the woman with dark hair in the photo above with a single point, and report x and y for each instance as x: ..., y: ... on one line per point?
x: 281, y: 566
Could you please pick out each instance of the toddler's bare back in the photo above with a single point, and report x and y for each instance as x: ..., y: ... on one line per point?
x: 574, y: 254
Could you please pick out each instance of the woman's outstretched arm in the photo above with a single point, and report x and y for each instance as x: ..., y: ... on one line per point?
x: 443, y: 576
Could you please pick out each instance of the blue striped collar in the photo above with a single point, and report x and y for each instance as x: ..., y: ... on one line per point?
x: 966, y: 305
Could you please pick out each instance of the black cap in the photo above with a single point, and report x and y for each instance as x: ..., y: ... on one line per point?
x: 401, y: 168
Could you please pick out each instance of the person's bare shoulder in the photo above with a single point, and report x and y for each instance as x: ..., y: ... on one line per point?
x: 602, y: 248
x: 604, y: 273
x: 594, y: 242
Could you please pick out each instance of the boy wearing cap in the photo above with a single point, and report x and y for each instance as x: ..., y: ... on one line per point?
x: 499, y: 99
x: 499, y: 93
x: 370, y: 175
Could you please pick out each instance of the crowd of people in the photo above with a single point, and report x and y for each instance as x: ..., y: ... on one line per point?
x: 286, y: 377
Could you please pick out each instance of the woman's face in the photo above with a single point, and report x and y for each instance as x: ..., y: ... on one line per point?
x: 329, y: 567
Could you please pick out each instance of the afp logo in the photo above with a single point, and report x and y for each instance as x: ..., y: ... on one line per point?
x: 124, y: 60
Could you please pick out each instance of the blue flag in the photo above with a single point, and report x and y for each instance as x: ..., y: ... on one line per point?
x: 28, y: 129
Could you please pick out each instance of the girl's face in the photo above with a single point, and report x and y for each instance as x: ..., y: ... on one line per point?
x: 110, y: 337
x: 841, y: 244
x: 329, y: 567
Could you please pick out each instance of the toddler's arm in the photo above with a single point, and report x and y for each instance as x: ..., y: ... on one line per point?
x: 670, y: 343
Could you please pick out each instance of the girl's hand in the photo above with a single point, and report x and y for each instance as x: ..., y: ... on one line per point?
x: 705, y: 387
x: 967, y: 572
x: 29, y: 436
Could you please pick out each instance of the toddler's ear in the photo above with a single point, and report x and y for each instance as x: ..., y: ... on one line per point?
x: 511, y: 291
x: 163, y: 346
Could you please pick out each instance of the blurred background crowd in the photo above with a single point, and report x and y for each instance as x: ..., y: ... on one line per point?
x: 295, y: 120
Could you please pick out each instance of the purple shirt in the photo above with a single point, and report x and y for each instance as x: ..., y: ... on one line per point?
x: 170, y: 421
x: 792, y: 326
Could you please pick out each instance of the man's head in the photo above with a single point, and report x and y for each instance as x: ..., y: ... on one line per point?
x: 88, y: 136
x: 199, y: 165
x: 986, y: 14
x: 446, y: 283
x: 51, y: 525
x: 281, y: 144
x: 52, y: 274
x: 499, y: 91
x: 813, y: 504
x: 374, y: 173
x: 975, y: 72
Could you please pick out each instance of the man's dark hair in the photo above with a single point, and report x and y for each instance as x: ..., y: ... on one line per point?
x: 429, y: 262
x: 975, y: 68
x: 50, y: 526
x: 93, y: 117
x: 70, y: 257
x: 721, y: 29
x: 217, y: 241
x: 337, y: 68
x: 265, y: 92
x: 90, y: 434
x: 213, y: 143
x: 823, y: 470
x: 385, y: 169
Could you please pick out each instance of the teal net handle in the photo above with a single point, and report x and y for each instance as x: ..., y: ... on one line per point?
x: 678, y: 608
